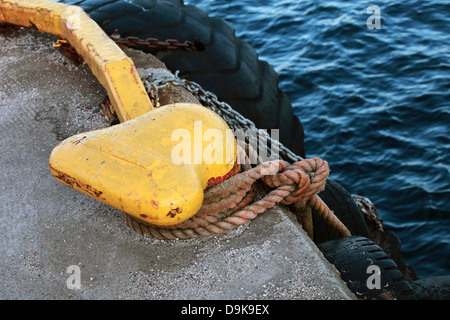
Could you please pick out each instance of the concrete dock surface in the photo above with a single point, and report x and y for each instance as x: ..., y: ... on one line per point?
x: 48, y: 228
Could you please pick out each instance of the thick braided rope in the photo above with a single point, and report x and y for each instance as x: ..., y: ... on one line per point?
x: 230, y: 204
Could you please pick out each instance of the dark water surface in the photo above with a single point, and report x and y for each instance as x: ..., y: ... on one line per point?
x: 375, y: 103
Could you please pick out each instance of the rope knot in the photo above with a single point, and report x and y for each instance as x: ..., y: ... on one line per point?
x: 302, y: 179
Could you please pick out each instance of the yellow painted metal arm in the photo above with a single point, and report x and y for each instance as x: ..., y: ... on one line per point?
x: 112, y: 67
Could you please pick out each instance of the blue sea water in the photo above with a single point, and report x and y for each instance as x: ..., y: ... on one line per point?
x: 374, y: 103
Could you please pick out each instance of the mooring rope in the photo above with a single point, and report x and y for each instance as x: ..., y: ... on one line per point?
x: 231, y: 204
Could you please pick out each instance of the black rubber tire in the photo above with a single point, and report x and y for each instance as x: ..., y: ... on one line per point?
x: 344, y: 207
x: 436, y: 288
x: 391, y: 244
x: 225, y: 65
x: 352, y: 255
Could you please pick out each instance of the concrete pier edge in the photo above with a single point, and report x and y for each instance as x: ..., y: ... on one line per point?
x: 47, y: 227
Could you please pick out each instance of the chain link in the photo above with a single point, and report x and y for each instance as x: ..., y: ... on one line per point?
x: 152, y: 43
x: 208, y: 99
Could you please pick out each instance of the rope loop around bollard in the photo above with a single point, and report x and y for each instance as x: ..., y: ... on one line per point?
x: 231, y: 204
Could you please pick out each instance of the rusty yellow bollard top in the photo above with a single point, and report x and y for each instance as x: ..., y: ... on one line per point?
x: 155, y: 167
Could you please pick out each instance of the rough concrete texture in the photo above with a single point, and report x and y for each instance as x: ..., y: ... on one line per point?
x: 45, y: 227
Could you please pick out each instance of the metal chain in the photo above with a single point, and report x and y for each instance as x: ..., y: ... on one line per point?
x: 64, y: 45
x: 208, y: 99
x: 233, y: 118
x: 152, y: 43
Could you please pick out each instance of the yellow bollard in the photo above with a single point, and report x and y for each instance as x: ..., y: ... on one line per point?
x: 155, y: 167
